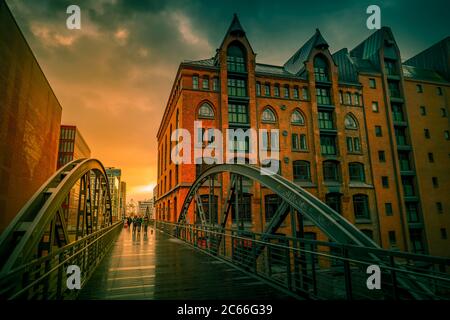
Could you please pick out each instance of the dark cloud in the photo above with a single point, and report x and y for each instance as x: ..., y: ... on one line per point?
x: 113, y: 76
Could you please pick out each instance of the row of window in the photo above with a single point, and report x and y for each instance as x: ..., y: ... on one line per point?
x: 205, y: 83
x: 419, y: 89
x: 66, y: 146
x: 281, y: 92
x: 67, y: 133
x: 350, y: 99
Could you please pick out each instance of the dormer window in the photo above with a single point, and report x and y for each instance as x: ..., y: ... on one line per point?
x: 320, y: 69
x: 236, y: 58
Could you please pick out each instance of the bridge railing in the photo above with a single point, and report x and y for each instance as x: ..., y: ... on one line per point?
x: 318, y: 269
x: 45, y: 278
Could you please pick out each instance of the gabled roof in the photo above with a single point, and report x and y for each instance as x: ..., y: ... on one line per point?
x: 296, y: 63
x: 201, y: 63
x: 348, y: 71
x: 267, y: 69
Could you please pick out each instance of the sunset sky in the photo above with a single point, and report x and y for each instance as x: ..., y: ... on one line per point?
x: 113, y: 77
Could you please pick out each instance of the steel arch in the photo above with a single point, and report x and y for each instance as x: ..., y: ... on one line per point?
x: 18, y: 243
x: 329, y: 221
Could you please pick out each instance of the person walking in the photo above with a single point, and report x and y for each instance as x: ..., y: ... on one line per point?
x: 139, y: 223
x: 145, y: 225
x: 134, y: 224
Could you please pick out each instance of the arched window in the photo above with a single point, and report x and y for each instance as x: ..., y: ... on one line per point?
x: 268, y: 116
x: 320, y: 69
x: 361, y: 206
x: 297, y: 118
x: 356, y: 172
x: 331, y: 172
x: 350, y: 122
x: 236, y: 58
x: 301, y: 170
x: 205, y: 111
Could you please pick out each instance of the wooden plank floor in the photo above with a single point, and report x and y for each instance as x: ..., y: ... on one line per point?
x: 160, y: 267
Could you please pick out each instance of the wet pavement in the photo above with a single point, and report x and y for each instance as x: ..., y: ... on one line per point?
x: 157, y: 266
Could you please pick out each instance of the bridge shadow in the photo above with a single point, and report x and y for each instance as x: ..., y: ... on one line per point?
x: 153, y: 265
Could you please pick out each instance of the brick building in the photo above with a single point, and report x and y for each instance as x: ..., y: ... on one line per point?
x: 30, y: 116
x: 360, y: 130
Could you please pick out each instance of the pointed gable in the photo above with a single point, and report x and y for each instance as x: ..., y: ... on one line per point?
x: 236, y: 30
x: 296, y: 63
x: 347, y: 69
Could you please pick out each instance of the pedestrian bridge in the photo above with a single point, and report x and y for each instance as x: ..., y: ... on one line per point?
x: 68, y: 222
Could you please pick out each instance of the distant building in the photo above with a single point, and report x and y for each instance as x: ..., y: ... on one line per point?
x: 72, y: 145
x: 30, y: 116
x: 114, y: 176
x: 146, y: 208
x: 123, y: 199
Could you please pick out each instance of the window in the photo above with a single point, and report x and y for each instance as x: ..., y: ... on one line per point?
x: 286, y: 91
x: 244, y: 207
x: 356, y: 99
x: 326, y: 120
x: 419, y: 88
x: 195, y: 82
x: 353, y: 145
x: 349, y: 144
x: 397, y: 113
x: 297, y: 118
x: 439, y: 91
x: 390, y: 67
x: 385, y: 181
x: 204, y: 198
x: 296, y: 95
x: 320, y: 69
x: 301, y: 170
x: 400, y: 136
x: 258, y: 89
x: 328, y: 145
x: 303, y: 142
x: 446, y: 135
x: 372, y: 83
x: 205, y: 83
x: 392, y: 238
x: 348, y: 98
x: 439, y: 207
x: 299, y: 142
x: 216, y: 84
x: 408, y: 186
x: 430, y: 157
x: 375, y: 106
x: 435, y: 182
x: 271, y: 204
x: 268, y: 116
x: 356, y: 172
x: 205, y: 111
x: 235, y: 59
x: 361, y: 206
x: 381, y: 156
x: 237, y: 87
x: 323, y: 96
x: 444, y: 112
x: 276, y: 90
x: 388, y: 208
x: 331, y: 171
x: 295, y: 142
x: 416, y: 240
x: 412, y: 213
x: 394, y: 90
x: 341, y: 97
x: 378, y: 131
x: 305, y: 95
x: 350, y: 122
x: 443, y: 233
x: 426, y: 133
x: 238, y: 114
x: 267, y: 89
x: 333, y: 200
x: 423, y: 111
x: 404, y: 162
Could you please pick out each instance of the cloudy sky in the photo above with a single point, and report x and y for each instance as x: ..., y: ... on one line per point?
x: 113, y: 76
